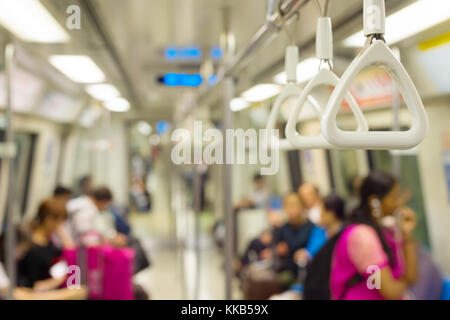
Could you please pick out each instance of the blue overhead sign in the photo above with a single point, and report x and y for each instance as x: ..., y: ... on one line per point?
x: 191, y: 53
x: 183, y: 53
x: 184, y: 80
x: 181, y: 80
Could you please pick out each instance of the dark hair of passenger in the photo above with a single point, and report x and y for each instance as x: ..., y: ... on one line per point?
x: 83, y: 181
x: 377, y: 183
x: 335, y: 203
x: 102, y: 194
x: 52, y: 207
x: 257, y: 177
x: 60, y: 190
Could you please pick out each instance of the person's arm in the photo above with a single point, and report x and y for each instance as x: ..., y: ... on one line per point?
x: 66, y: 240
x: 390, y: 287
x: 59, y: 294
x: 316, y: 240
x: 48, y: 284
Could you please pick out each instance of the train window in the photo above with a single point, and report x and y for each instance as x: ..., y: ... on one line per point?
x: 23, y: 167
x: 295, y: 173
x: 343, y: 169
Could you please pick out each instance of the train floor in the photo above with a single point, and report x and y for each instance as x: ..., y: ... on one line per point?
x: 172, y: 274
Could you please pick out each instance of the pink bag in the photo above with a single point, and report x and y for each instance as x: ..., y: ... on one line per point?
x: 94, y: 271
x: 117, y: 273
x: 71, y: 256
x: 109, y: 271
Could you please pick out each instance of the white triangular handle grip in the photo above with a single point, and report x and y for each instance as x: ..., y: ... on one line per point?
x: 377, y: 54
x: 291, y: 90
x: 328, y: 78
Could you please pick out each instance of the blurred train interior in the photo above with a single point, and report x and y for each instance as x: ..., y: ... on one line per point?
x: 224, y: 149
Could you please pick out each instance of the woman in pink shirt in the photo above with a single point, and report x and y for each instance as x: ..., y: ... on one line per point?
x: 371, y: 262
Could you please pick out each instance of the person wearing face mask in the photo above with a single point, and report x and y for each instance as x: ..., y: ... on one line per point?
x: 316, y: 284
x: 312, y: 200
x: 368, y: 262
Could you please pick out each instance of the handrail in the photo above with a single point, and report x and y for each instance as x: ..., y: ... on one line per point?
x: 324, y: 52
x: 271, y: 26
x: 376, y: 53
x: 290, y: 90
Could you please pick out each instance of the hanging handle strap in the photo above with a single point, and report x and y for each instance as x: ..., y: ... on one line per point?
x: 324, y: 39
x: 291, y: 90
x: 374, y: 17
x: 328, y: 78
x: 378, y: 54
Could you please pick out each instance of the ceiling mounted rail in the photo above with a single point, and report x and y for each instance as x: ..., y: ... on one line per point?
x: 287, y: 10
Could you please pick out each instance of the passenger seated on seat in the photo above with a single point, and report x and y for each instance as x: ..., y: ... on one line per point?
x: 90, y: 224
x: 310, y: 196
x: 62, y: 193
x: 365, y: 246
x: 298, y: 236
x: 24, y: 293
x: 34, y: 267
x: 333, y: 214
x: 260, y: 248
x: 85, y: 185
x: 260, y: 197
x: 331, y: 222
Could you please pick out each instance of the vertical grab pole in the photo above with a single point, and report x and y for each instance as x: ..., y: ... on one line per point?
x: 197, y: 209
x: 227, y: 177
x: 10, y: 243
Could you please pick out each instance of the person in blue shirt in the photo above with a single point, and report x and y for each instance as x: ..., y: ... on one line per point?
x: 298, y: 236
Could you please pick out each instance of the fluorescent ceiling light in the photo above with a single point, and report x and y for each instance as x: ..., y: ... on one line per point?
x: 29, y: 20
x: 103, y: 91
x: 78, y: 68
x: 261, y: 92
x: 306, y: 70
x: 415, y: 18
x: 117, y: 105
x: 144, y: 128
x: 238, y: 104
